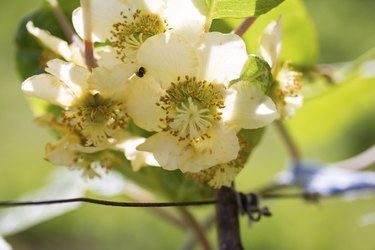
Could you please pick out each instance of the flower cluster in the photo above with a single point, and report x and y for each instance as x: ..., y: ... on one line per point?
x: 158, y: 70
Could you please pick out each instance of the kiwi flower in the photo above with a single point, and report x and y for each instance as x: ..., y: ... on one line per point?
x: 287, y: 87
x: 184, y: 94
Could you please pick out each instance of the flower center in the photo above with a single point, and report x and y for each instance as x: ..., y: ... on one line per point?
x: 192, y: 107
x: 128, y: 35
x: 97, y: 120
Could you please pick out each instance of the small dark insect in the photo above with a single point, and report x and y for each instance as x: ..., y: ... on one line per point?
x: 141, y: 72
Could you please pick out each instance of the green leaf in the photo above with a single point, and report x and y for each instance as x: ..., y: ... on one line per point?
x: 31, y: 57
x: 256, y: 71
x: 299, y: 42
x: 240, y: 8
x: 173, y: 185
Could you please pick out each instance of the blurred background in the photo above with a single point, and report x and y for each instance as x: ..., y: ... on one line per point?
x: 345, y: 31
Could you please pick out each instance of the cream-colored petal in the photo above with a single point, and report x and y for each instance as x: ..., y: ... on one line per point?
x: 141, y: 98
x: 74, y: 76
x: 111, y: 83
x: 292, y: 103
x: 166, y: 57
x: 61, y: 153
x: 169, y: 152
x: 248, y: 107
x: 222, y: 146
x: 148, y: 6
x: 270, y: 43
x: 55, y: 44
x: 103, y: 15
x: 107, y: 57
x: 222, y: 57
x: 49, y: 88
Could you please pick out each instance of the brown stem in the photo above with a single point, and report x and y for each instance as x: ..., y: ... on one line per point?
x: 228, y: 227
x: 89, y: 46
x: 65, y: 25
x: 289, y: 142
x: 245, y: 25
x: 196, y: 227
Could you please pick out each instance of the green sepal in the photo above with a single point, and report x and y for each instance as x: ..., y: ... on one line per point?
x: 256, y: 71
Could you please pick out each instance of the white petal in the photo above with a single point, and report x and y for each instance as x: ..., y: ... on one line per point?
x: 141, y: 98
x: 270, y: 43
x: 248, y: 107
x: 170, y: 153
x: 111, y: 83
x: 138, y: 158
x: 222, y: 57
x: 166, y: 57
x: 55, y: 44
x: 186, y: 18
x: 4, y: 245
x: 49, y: 88
x: 221, y: 147
x: 74, y: 76
x: 103, y: 15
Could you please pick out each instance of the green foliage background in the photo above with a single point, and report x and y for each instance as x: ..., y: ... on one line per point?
x: 335, y: 126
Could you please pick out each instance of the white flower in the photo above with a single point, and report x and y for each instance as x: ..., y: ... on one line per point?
x: 128, y: 23
x: 286, y: 90
x: 184, y: 95
x: 93, y: 102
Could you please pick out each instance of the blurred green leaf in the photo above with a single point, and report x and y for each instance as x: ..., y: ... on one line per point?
x: 31, y: 57
x: 257, y: 71
x: 240, y: 8
x: 330, y: 115
x: 299, y: 43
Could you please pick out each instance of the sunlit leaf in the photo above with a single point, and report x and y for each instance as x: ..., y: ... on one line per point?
x: 299, y: 43
x: 240, y: 8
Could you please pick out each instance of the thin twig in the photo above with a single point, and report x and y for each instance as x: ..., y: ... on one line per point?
x: 87, y: 31
x: 107, y: 203
x: 245, y: 25
x: 140, y: 197
x: 358, y: 162
x: 192, y: 240
x: 199, y: 231
x: 65, y: 25
x: 289, y: 142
